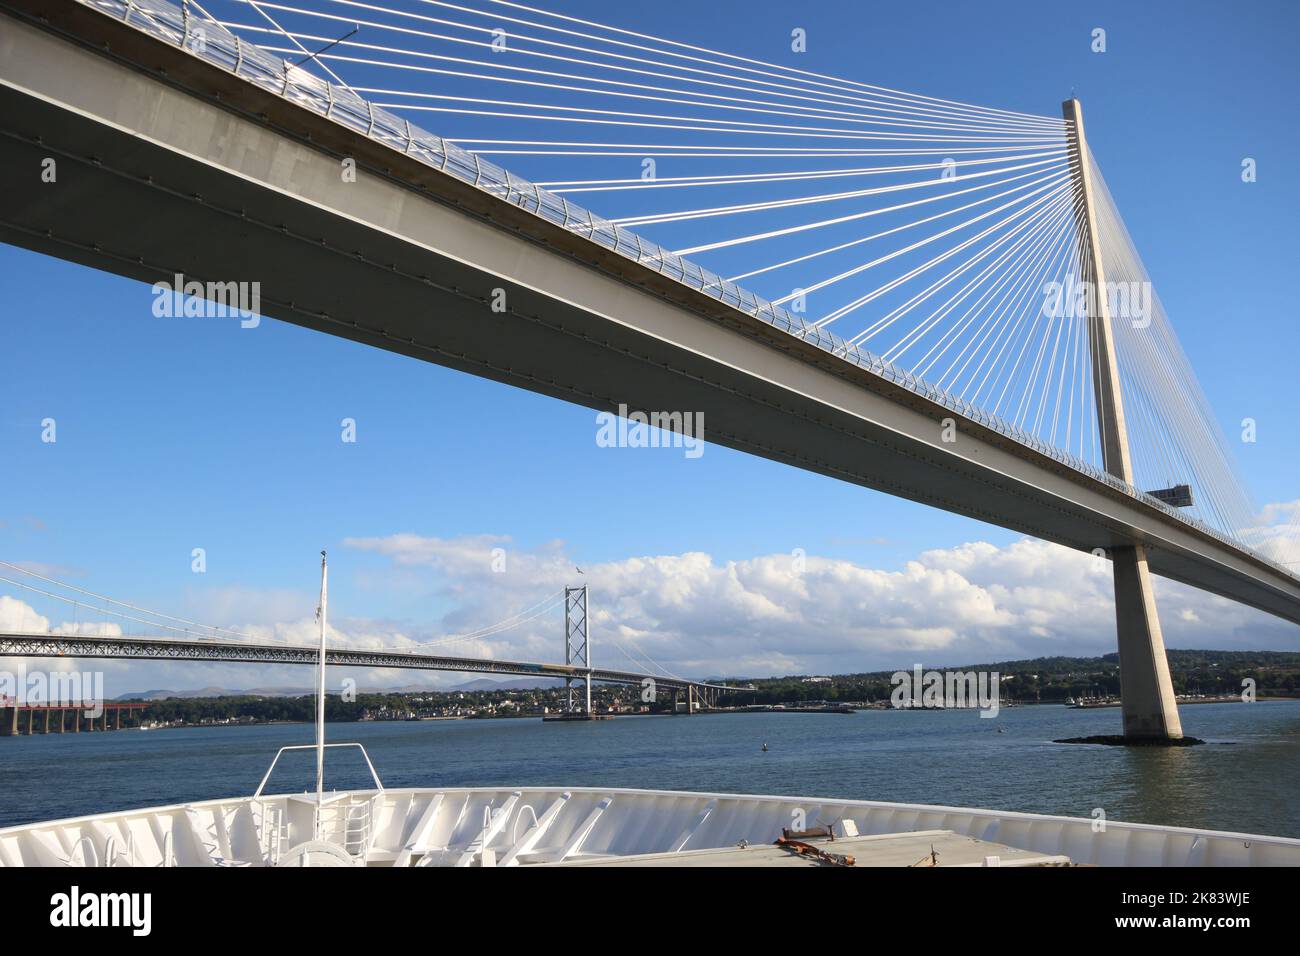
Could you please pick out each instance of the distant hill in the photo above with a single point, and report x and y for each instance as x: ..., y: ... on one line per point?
x: 160, y: 694
x: 478, y: 684
x: 519, y: 683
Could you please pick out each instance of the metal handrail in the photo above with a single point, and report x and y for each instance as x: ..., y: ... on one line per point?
x: 373, y: 775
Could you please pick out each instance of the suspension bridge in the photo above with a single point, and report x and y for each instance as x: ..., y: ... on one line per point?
x: 990, y: 342
x: 193, y: 641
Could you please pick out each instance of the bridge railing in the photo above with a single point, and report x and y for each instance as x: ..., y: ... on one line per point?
x: 212, y: 42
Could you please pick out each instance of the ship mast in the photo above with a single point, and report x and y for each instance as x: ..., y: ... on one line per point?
x: 320, y: 694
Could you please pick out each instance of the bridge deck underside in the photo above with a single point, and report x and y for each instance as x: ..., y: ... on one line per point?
x: 154, y: 181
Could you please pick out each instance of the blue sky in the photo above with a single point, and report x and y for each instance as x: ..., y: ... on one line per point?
x: 177, y: 434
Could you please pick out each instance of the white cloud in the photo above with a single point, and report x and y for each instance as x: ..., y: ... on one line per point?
x: 700, y: 616
x: 972, y: 603
x: 19, y: 617
x: 1277, y: 532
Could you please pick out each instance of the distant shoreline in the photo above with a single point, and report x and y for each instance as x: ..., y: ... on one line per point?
x: 742, y: 710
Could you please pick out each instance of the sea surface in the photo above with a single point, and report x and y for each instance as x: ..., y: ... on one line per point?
x: 1246, y: 779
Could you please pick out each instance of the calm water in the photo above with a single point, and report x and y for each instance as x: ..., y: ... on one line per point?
x: 1246, y: 779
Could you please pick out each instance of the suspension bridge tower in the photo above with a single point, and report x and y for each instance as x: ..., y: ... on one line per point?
x: 577, y: 649
x: 1146, y: 691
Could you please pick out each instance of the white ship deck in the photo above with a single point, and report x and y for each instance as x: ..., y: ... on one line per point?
x: 528, y: 826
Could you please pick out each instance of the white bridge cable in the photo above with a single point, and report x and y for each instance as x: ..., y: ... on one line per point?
x: 1031, y: 262
x: 1173, y: 427
x: 787, y: 74
x: 206, y: 633
x: 1018, y: 287
x: 1061, y: 260
x: 1038, y: 376
x: 939, y: 135
x: 1040, y: 387
x: 1051, y: 188
x: 564, y: 187
x: 1149, y: 363
x: 804, y: 227
x: 909, y: 103
x: 541, y: 608
x: 212, y: 633
x: 1034, y: 180
x: 1036, y: 186
x: 754, y: 139
x: 651, y: 92
x: 282, y: 31
x: 1018, y: 379
x: 225, y: 635
x: 217, y: 629
x: 646, y: 659
x: 928, y: 183
x: 687, y: 151
x: 1151, y: 438
x: 1281, y: 541
x: 1021, y: 251
x: 629, y: 119
x: 187, y: 631
x: 1043, y: 208
x: 587, y: 120
x: 681, y: 73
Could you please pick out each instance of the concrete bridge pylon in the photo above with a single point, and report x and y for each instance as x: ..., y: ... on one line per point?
x: 1147, y: 694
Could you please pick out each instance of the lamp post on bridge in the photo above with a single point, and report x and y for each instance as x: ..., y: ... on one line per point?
x: 1146, y: 691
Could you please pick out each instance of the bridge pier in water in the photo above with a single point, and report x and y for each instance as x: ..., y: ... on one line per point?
x: 27, y: 719
x: 1146, y: 692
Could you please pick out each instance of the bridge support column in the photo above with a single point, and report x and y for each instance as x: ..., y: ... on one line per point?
x: 1146, y: 692
x: 9, y: 721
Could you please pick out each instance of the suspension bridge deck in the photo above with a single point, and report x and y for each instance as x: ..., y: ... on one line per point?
x: 165, y: 648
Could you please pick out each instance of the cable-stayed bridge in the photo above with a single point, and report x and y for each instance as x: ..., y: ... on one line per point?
x: 962, y: 320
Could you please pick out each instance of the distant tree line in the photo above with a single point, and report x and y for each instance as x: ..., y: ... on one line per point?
x: 1043, y: 679
x: 1053, y: 679
x: 382, y: 706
